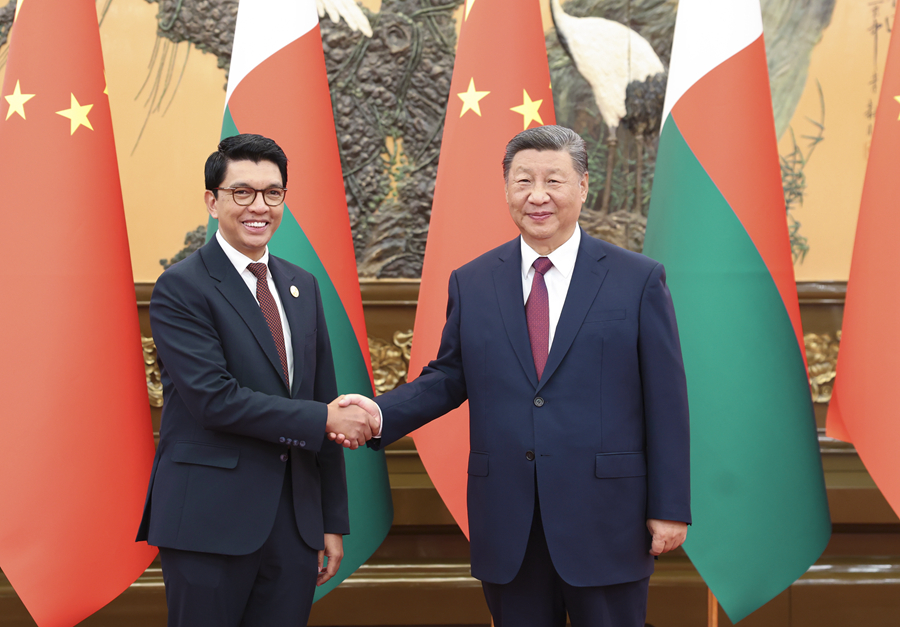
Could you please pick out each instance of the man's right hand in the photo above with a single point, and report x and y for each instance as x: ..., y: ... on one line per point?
x: 354, y: 423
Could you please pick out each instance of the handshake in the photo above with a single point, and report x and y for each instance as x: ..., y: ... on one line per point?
x: 352, y: 420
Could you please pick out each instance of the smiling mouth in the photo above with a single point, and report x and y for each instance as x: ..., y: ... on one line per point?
x: 256, y: 224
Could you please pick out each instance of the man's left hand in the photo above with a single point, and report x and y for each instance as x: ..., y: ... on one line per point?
x: 667, y: 535
x: 334, y: 551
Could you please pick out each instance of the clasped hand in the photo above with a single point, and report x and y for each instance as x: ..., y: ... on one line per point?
x: 352, y: 420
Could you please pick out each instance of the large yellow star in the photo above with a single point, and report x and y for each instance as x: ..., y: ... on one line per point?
x: 470, y: 98
x: 78, y: 114
x: 529, y: 109
x: 17, y: 101
x: 469, y: 4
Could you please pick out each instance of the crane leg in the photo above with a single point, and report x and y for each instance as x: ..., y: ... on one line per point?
x: 612, y: 143
x: 638, y: 172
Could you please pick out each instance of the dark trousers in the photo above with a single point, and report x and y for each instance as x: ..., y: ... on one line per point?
x: 271, y: 586
x: 538, y: 597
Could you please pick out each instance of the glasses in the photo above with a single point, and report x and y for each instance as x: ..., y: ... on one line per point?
x: 244, y: 196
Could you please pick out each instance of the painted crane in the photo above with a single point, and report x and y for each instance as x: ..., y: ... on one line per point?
x: 347, y: 9
x: 609, y: 56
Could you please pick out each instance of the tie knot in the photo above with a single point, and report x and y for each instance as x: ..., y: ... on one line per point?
x: 541, y: 264
x: 259, y: 269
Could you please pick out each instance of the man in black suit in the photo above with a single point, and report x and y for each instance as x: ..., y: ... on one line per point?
x: 247, y: 497
x: 567, y: 350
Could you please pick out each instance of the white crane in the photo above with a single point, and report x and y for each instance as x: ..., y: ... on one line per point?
x: 609, y: 56
x: 347, y: 9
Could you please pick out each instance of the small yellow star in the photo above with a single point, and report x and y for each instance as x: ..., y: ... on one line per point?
x: 897, y: 98
x: 18, y: 7
x: 530, y: 110
x: 17, y: 102
x: 469, y: 4
x: 470, y: 99
x: 78, y: 114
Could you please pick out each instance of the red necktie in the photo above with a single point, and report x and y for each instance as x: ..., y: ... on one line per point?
x: 270, y: 311
x: 537, y: 313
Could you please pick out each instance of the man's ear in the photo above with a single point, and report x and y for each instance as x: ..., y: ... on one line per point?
x: 211, y: 204
x: 584, y: 187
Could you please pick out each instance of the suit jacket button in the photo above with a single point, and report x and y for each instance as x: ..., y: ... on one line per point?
x: 538, y: 402
x: 284, y: 457
x: 281, y: 439
x: 301, y: 442
x: 529, y: 455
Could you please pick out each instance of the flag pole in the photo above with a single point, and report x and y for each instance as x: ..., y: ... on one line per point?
x: 712, y: 616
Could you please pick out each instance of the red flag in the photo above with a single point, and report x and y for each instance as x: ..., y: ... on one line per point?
x: 500, y: 87
x: 862, y: 409
x: 76, y: 444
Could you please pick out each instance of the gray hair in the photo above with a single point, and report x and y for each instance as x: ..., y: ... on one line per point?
x: 542, y: 138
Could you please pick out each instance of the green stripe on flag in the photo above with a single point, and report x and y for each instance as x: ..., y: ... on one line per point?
x: 758, y: 500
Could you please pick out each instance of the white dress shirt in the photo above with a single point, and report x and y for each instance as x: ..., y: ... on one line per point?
x: 240, y: 262
x: 556, y: 279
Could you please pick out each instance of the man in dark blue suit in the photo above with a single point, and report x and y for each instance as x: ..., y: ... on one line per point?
x: 567, y: 350
x: 247, y: 497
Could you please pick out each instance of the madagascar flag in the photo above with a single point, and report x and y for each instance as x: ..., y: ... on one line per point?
x: 278, y: 88
x: 500, y: 87
x: 76, y: 443
x: 863, y: 407
x: 717, y: 221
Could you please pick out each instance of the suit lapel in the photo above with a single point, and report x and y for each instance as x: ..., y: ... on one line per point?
x: 232, y: 287
x: 587, y: 277
x: 296, y: 309
x: 508, y: 285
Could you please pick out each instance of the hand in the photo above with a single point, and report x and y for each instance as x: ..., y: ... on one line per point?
x: 367, y: 404
x: 667, y: 535
x: 334, y: 551
x: 352, y: 424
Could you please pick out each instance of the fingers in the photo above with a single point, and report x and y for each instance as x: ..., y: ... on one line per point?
x: 350, y: 421
x: 667, y: 535
x: 334, y: 551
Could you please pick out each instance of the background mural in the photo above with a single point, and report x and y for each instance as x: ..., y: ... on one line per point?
x: 167, y: 63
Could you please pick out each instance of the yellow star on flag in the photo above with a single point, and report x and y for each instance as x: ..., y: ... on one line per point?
x: 17, y: 102
x: 897, y: 98
x: 529, y: 109
x: 78, y: 114
x: 470, y: 99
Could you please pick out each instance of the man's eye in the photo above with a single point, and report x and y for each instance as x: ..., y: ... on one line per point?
x: 243, y: 192
x: 274, y: 193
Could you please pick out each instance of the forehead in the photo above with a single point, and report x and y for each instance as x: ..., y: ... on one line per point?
x: 542, y: 161
x: 264, y: 173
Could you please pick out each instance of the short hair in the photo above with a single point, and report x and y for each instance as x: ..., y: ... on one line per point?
x: 245, y: 147
x: 551, y: 137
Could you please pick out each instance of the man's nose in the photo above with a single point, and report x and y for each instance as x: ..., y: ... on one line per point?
x: 258, y: 203
x: 539, y: 195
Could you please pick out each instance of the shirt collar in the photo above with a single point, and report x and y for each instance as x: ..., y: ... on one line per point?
x: 563, y: 258
x: 239, y: 260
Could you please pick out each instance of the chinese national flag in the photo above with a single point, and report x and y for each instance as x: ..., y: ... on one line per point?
x: 76, y: 443
x: 500, y: 87
x: 863, y: 406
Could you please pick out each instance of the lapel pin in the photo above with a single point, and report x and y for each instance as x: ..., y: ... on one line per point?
x: 294, y: 291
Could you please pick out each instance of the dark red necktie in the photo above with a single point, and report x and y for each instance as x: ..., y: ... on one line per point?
x: 537, y: 313
x: 270, y: 311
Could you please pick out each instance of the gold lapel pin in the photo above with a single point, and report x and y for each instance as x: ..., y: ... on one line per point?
x: 294, y: 291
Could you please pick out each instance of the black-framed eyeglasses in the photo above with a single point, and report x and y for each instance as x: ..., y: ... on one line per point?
x: 244, y: 196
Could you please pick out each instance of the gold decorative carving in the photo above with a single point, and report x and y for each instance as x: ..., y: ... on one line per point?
x: 390, y: 360
x: 151, y: 370
x: 821, y: 359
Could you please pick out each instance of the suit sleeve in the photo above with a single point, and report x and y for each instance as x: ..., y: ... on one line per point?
x: 440, y: 387
x: 665, y: 404
x: 190, y: 349
x: 335, y: 508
